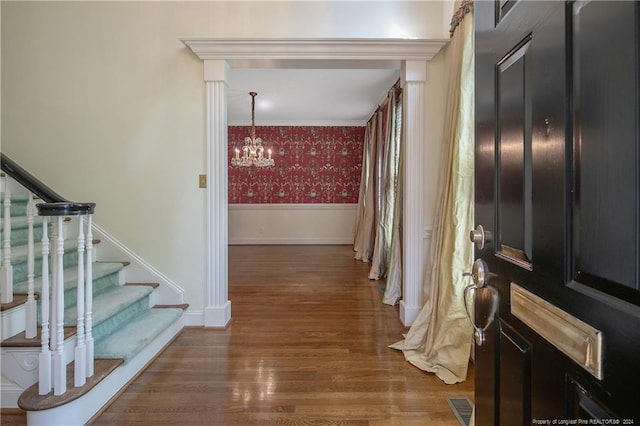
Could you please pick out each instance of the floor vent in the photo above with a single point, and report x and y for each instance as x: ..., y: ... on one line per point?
x: 461, y: 407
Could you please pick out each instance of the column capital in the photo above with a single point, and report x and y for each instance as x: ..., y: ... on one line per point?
x: 216, y: 70
x: 415, y: 71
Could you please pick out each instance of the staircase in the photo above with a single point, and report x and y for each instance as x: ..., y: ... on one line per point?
x: 130, y: 328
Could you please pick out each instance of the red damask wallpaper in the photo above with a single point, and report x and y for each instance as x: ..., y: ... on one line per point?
x: 313, y: 165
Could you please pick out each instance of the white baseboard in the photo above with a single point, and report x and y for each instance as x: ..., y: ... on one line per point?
x: 193, y: 318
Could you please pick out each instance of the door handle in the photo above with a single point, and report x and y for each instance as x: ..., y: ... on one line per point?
x: 479, y: 273
x: 486, y: 296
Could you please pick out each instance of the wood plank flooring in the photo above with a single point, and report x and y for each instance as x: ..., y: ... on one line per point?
x: 307, y: 345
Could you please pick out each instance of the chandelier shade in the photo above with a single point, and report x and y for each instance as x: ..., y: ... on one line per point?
x: 253, y: 152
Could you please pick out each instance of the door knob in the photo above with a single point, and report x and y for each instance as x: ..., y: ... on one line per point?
x: 486, y: 297
x: 479, y: 273
x: 480, y: 237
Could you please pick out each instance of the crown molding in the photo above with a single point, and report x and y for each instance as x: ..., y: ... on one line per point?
x: 311, y: 49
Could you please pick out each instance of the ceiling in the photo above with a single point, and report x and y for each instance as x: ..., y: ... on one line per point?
x: 316, y: 93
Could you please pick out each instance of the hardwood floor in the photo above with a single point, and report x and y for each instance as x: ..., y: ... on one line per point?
x: 307, y: 345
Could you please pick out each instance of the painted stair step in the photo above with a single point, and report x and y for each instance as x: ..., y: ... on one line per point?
x: 105, y: 275
x: 20, y: 340
x: 31, y: 399
x: 113, y: 308
x: 130, y: 339
x: 20, y: 230
x: 18, y: 205
x: 18, y: 299
x: 19, y: 253
x: 19, y: 259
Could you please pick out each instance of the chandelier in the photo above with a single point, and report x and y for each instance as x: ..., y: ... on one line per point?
x: 252, y: 151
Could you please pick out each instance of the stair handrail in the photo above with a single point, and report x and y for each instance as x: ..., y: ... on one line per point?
x: 52, y: 368
x: 54, y: 203
x: 29, y: 181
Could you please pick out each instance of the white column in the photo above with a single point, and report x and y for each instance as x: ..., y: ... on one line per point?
x: 217, y: 312
x: 414, y: 74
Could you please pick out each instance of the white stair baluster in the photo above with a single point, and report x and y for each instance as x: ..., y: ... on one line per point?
x: 30, y: 306
x: 80, y: 362
x: 44, y: 365
x: 89, y: 299
x: 53, y: 266
x: 59, y: 365
x: 6, y: 277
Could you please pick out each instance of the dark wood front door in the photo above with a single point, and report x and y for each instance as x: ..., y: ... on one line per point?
x: 557, y: 181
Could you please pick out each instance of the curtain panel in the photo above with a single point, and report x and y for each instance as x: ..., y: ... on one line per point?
x: 440, y: 339
x: 364, y: 235
x: 378, y: 223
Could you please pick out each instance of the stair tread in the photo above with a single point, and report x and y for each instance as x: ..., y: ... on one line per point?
x: 31, y: 400
x: 20, y: 341
x: 18, y: 299
x: 110, y: 302
x: 183, y: 306
x: 132, y: 337
x: 154, y: 285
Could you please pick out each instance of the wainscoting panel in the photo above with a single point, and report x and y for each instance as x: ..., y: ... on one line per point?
x: 291, y: 223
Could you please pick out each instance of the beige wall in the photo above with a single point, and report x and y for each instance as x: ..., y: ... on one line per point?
x: 107, y: 92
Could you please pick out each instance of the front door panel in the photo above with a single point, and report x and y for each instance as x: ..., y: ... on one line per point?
x: 557, y: 180
x: 513, y: 174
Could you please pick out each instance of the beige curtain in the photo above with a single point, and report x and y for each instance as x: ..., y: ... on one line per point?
x: 378, y: 220
x: 364, y: 236
x: 440, y: 339
x: 389, y: 161
x: 393, y: 287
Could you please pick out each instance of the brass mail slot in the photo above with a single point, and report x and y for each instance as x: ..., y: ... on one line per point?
x: 578, y: 340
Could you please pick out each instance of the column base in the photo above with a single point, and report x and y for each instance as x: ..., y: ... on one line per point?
x: 408, y: 314
x: 217, y: 316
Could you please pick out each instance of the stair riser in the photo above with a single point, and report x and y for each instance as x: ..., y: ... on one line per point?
x: 20, y: 236
x: 70, y: 258
x: 71, y: 292
x: 18, y: 208
x: 13, y: 321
